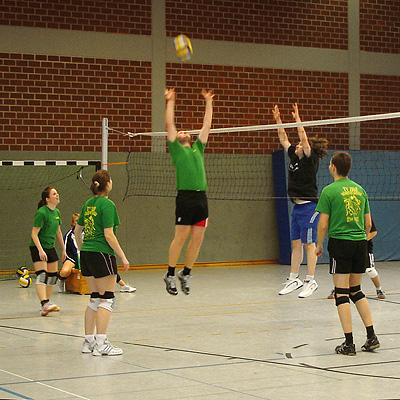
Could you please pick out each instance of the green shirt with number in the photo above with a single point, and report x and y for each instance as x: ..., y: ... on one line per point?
x: 346, y: 203
x: 48, y: 221
x: 98, y: 213
x: 189, y: 165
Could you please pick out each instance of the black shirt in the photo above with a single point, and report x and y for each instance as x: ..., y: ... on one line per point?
x: 302, y: 177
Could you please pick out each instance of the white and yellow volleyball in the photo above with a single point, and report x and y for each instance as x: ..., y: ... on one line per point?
x: 25, y: 281
x: 183, y: 47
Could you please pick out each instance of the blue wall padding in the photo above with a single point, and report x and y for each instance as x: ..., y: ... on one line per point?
x: 376, y: 182
x: 281, y: 205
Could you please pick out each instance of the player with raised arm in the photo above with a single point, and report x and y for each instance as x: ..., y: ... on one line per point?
x: 191, y: 212
x: 303, y: 192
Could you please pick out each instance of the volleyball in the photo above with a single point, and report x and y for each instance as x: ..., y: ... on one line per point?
x: 183, y: 47
x: 21, y: 271
x: 25, y: 281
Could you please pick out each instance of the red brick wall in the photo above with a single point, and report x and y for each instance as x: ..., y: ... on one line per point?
x: 306, y: 23
x: 112, y: 16
x: 245, y: 97
x: 380, y: 26
x: 52, y: 103
x: 380, y: 95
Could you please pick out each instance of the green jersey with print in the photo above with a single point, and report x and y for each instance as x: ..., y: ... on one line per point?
x: 346, y: 203
x: 189, y: 165
x: 48, y: 221
x: 98, y: 213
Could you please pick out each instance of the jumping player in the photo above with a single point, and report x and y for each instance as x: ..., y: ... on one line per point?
x: 303, y: 192
x: 191, y: 213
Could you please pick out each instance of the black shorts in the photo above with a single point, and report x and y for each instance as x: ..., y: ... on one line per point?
x: 97, y: 264
x: 52, y: 255
x: 191, y: 207
x: 70, y: 258
x: 347, y: 256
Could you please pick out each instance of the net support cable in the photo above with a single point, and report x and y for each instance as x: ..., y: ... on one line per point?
x: 332, y: 121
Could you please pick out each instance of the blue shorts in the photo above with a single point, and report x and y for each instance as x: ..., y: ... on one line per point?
x: 304, y: 222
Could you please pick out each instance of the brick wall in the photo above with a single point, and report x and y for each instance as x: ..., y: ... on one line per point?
x: 52, y: 103
x: 113, y: 16
x: 380, y: 95
x: 380, y: 26
x: 245, y: 97
x: 306, y: 23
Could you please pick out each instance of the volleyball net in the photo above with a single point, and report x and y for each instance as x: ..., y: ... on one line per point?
x: 249, y: 177
x: 22, y: 183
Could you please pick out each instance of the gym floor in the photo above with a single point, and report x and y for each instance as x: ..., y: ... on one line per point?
x: 232, y: 338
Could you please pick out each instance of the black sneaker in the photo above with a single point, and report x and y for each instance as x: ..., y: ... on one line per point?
x: 170, y: 284
x: 346, y: 349
x: 371, y: 344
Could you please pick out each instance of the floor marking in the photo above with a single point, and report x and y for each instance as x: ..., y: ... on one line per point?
x: 43, y: 384
x: 16, y: 394
x: 300, y: 345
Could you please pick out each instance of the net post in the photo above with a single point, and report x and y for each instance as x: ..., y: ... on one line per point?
x: 104, y: 143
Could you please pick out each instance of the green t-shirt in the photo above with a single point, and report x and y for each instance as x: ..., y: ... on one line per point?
x: 48, y: 221
x: 346, y: 203
x: 98, y: 213
x: 189, y: 165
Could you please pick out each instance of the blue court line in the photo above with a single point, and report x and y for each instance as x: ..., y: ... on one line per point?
x: 15, y: 394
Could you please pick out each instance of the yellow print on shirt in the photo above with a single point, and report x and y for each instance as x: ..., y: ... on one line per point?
x: 89, y: 222
x: 353, y: 207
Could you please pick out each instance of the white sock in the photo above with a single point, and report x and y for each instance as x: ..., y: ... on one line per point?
x: 293, y: 276
x: 378, y: 288
x: 89, y: 338
x: 100, y: 339
x: 309, y: 278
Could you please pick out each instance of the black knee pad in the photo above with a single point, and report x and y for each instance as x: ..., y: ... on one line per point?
x: 52, y: 278
x: 356, y: 293
x: 41, y: 277
x: 341, y: 299
x: 95, y: 295
x: 118, y: 277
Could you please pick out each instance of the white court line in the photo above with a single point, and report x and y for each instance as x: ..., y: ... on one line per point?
x: 43, y: 384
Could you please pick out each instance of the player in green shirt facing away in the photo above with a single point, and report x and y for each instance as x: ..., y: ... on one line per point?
x: 100, y: 220
x: 345, y: 214
x: 46, y: 228
x: 191, y: 212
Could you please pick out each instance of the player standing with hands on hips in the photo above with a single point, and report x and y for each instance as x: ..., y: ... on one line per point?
x: 303, y: 192
x: 345, y: 215
x: 100, y: 220
x: 191, y: 212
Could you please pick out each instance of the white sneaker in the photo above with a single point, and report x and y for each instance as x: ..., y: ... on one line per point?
x: 290, y: 285
x: 106, y: 350
x: 127, y: 289
x: 48, y: 308
x: 87, y: 347
x: 184, y: 279
x: 308, y: 289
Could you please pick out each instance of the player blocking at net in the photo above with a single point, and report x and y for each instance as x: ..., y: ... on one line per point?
x: 191, y: 212
x: 303, y: 192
